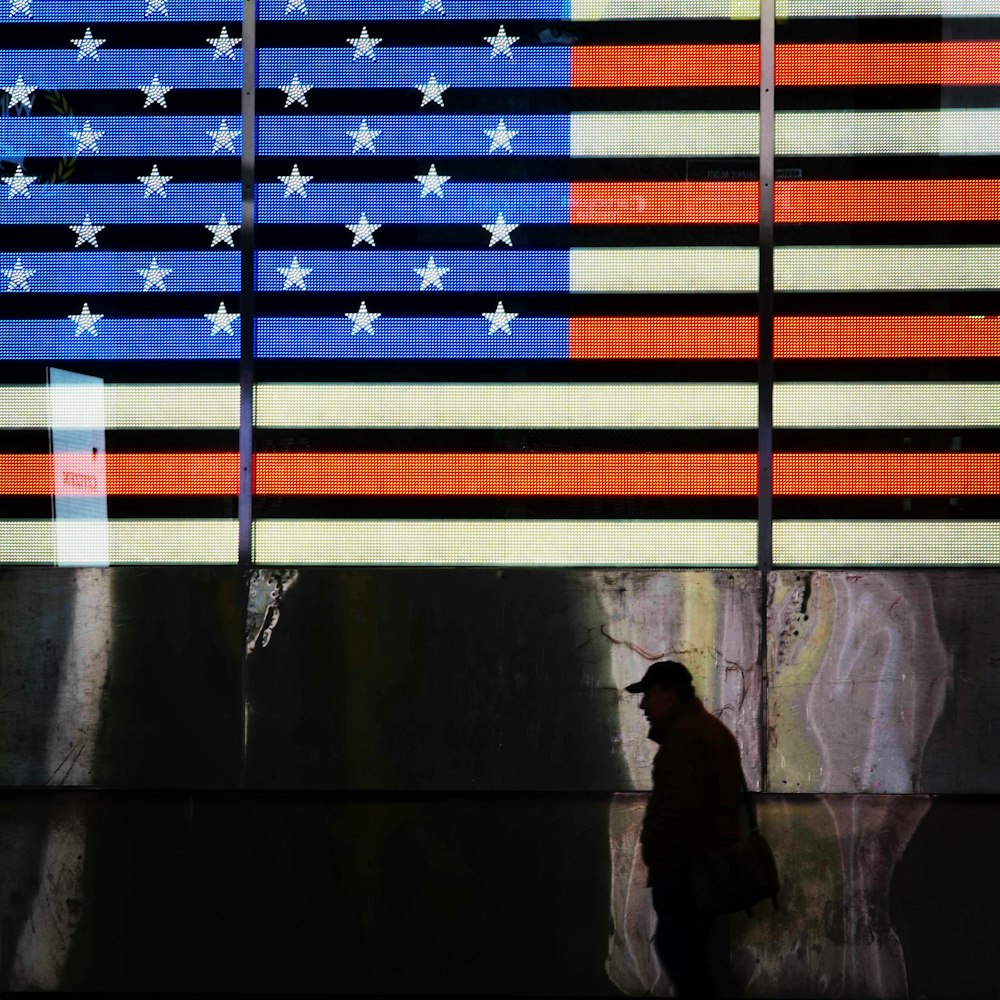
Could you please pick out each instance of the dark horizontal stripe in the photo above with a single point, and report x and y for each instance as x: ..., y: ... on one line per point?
x: 180, y: 101
x: 434, y: 372
x: 120, y: 305
x: 510, y: 101
x: 506, y: 507
x: 913, y: 303
x: 37, y: 441
x: 422, y: 237
x: 537, y: 169
x: 156, y: 33
x: 883, y: 98
x: 814, y: 168
x: 40, y: 507
x: 505, y: 440
x: 530, y: 304
x: 820, y: 30
x: 908, y: 440
x: 26, y: 239
x: 938, y: 508
x: 432, y: 32
x: 159, y: 440
x: 885, y: 233
x: 125, y: 372
x: 889, y: 369
x: 126, y: 169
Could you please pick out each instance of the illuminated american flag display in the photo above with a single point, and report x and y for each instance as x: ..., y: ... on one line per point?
x: 538, y: 237
x: 505, y: 305
x: 887, y: 274
x: 119, y: 280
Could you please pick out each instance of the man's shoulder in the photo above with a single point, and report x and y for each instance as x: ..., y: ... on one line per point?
x: 700, y: 723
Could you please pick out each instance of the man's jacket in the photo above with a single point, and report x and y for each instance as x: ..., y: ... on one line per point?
x: 696, y: 789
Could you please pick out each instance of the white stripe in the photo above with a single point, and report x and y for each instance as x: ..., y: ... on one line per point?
x: 664, y: 133
x: 887, y: 8
x: 129, y: 541
x: 886, y: 543
x: 609, y: 10
x: 875, y: 269
x: 494, y: 406
x: 958, y: 131
x: 664, y: 269
x: 887, y: 404
x: 506, y: 543
x: 125, y: 406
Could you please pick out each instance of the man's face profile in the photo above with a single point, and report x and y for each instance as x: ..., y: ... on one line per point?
x: 657, y: 702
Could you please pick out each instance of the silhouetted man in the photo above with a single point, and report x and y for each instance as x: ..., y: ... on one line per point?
x: 694, y: 806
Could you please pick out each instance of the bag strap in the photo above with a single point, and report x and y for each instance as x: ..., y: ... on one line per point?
x: 748, y: 804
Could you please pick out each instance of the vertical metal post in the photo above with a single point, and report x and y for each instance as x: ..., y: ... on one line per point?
x: 765, y: 352
x: 245, y: 507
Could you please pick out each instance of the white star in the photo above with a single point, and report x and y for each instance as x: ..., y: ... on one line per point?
x: 295, y: 92
x: 295, y: 183
x: 364, y: 45
x: 152, y: 276
x: 500, y: 231
x: 156, y: 92
x: 295, y: 275
x: 20, y: 7
x: 18, y: 183
x: 430, y: 6
x: 294, y: 6
x: 86, y: 138
x: 86, y: 321
x: 500, y: 137
x: 363, y: 231
x: 156, y: 7
x: 222, y: 320
x: 432, y: 91
x: 432, y: 182
x: 17, y: 277
x: 499, y: 319
x: 362, y: 320
x: 156, y: 183
x: 501, y: 43
x: 88, y: 46
x: 223, y: 45
x: 430, y: 276
x: 223, y: 137
x: 222, y: 231
x: 364, y: 137
x: 20, y: 93
x: 86, y: 233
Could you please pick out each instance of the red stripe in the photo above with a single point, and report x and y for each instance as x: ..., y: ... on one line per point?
x: 163, y: 474
x: 503, y: 474
x: 876, y: 474
x: 663, y: 337
x: 887, y: 201
x: 664, y: 202
x: 886, y: 337
x: 665, y: 66
x: 954, y: 64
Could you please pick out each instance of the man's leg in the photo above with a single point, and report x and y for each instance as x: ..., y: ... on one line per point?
x: 682, y: 937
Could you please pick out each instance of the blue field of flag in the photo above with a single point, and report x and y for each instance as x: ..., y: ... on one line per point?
x: 443, y: 338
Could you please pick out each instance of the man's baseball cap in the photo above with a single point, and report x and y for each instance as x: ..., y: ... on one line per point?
x: 669, y: 673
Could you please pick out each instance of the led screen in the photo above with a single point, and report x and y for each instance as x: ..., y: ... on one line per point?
x: 120, y: 211
x: 886, y: 274
x: 487, y: 231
